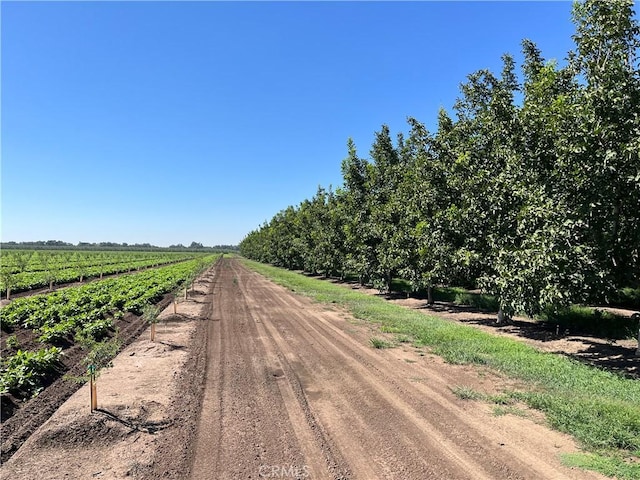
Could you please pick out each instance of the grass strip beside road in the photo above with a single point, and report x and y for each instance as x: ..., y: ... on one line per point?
x: 599, y: 408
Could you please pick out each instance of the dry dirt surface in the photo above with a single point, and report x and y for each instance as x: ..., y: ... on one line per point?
x: 252, y: 381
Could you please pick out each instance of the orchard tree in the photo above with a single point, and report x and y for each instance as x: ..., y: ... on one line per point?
x: 284, y: 240
x: 326, y: 234
x: 486, y: 174
x: 386, y: 206
x: 547, y: 263
x: 358, y: 233
x: 607, y: 167
x: 430, y: 196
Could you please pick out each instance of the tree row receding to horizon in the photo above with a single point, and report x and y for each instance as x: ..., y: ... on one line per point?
x: 531, y: 191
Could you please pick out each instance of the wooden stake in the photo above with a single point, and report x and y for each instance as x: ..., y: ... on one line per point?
x: 153, y: 332
x: 92, y: 386
x: 94, y: 393
x: 175, y: 306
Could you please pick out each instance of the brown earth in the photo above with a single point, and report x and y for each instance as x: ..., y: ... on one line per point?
x: 21, y: 418
x: 297, y: 391
x: 252, y: 381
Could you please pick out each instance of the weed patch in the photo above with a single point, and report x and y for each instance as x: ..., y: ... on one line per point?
x: 501, y: 410
x: 379, y: 343
x: 467, y: 393
x: 607, y: 464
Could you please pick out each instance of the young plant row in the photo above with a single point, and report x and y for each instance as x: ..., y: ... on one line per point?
x: 26, y: 371
x: 76, y: 314
x: 17, y: 261
x: 56, y: 268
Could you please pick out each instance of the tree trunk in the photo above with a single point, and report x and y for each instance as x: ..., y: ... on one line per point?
x: 100, y: 275
x: 50, y: 285
x: 638, y: 350
x: 8, y: 293
x: 81, y: 278
x: 501, y: 317
x: 430, y: 295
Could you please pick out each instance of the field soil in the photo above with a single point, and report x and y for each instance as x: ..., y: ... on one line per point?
x: 21, y: 418
x: 251, y: 381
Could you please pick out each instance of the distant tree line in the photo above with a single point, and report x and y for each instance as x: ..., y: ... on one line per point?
x: 536, y: 201
x: 59, y: 245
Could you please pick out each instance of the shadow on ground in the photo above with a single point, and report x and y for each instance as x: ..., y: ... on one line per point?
x: 603, y: 353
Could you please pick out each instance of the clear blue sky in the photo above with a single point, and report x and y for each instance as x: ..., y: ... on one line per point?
x: 173, y: 122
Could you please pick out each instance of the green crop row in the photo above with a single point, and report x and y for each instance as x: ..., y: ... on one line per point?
x: 25, y: 371
x: 17, y: 261
x: 95, y: 300
x: 90, y: 267
x: 87, y: 311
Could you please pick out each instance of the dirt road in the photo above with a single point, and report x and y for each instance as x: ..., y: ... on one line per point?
x: 250, y: 381
x: 293, y: 390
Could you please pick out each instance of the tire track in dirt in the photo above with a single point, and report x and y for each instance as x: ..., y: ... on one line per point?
x: 293, y: 384
x: 244, y: 426
x: 373, y: 401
